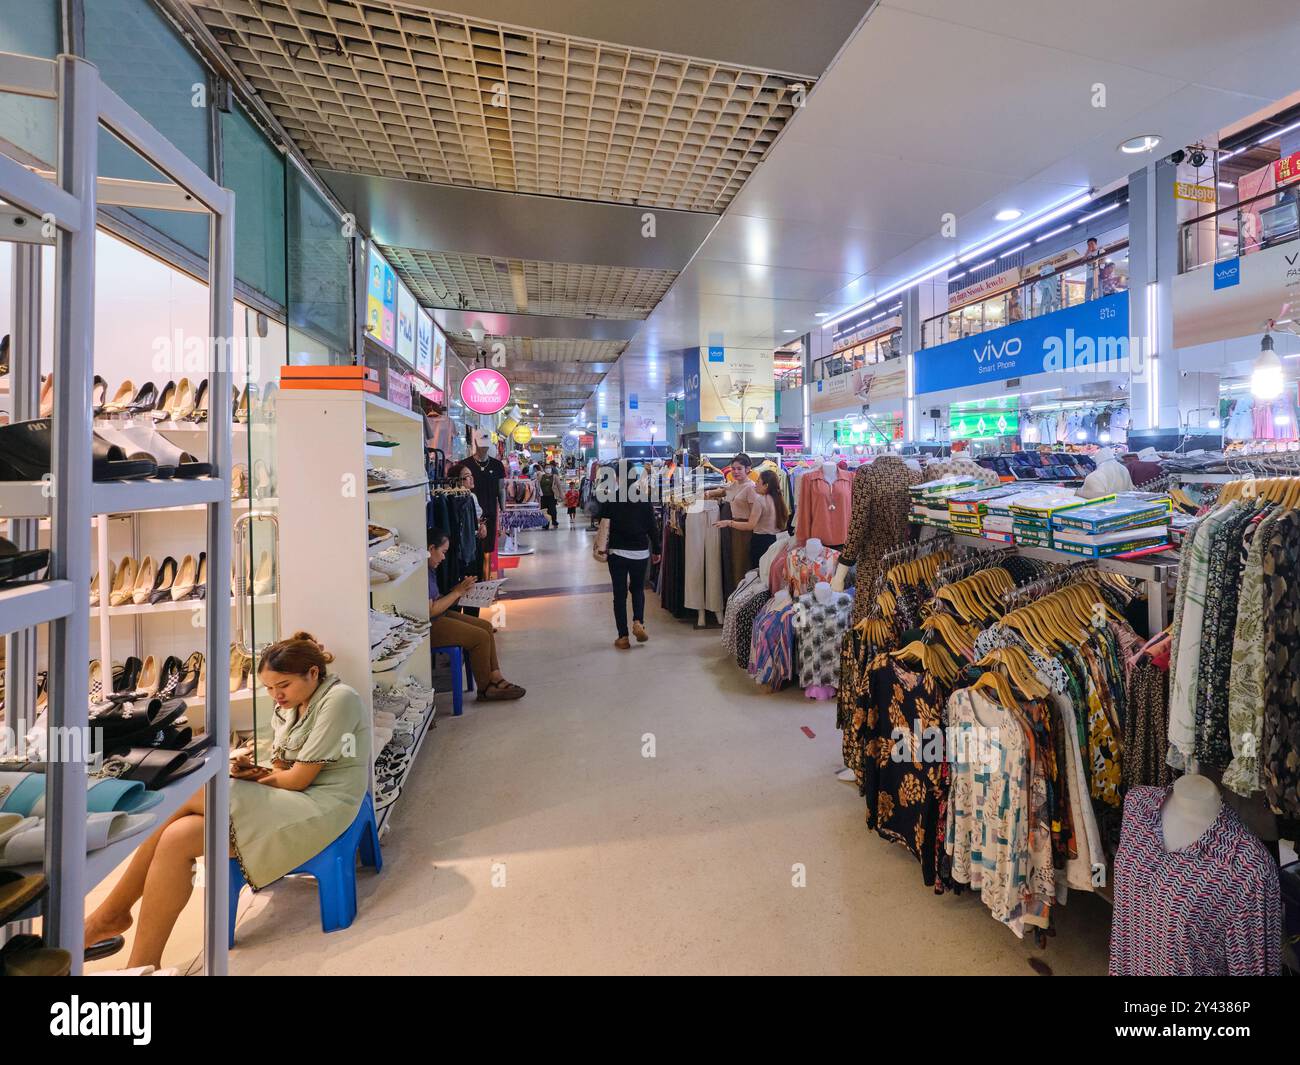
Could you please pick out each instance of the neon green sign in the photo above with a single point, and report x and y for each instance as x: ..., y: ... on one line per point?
x: 983, y: 420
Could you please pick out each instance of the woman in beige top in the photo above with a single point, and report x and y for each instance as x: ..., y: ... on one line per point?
x: 767, y: 517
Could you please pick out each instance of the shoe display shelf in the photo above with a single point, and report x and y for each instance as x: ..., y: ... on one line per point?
x: 60, y: 212
x: 325, y: 512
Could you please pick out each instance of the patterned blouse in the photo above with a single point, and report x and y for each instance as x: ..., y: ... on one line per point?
x: 1211, y: 908
x: 881, y: 504
x: 1280, y: 733
x: 819, y: 629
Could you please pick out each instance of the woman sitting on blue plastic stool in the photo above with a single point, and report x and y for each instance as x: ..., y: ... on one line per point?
x: 280, y: 816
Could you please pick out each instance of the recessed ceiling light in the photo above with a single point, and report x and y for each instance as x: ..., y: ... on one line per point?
x: 1137, y: 145
x: 822, y: 314
x: 787, y: 330
x: 1007, y: 214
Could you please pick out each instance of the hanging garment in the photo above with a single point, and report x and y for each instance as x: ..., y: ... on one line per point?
x: 824, y: 509
x: 1280, y: 730
x: 743, y: 591
x: 703, y: 559
x: 881, y: 504
x: 819, y: 631
x: 1208, y: 909
x: 771, y: 652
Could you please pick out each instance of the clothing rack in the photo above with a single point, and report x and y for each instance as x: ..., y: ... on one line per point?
x: 1049, y: 582
x: 968, y: 562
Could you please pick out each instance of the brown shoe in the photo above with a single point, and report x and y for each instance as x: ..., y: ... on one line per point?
x: 623, y: 643
x: 638, y: 630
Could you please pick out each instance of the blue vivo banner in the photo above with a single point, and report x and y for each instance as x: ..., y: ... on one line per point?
x: 691, y: 379
x: 1227, y: 273
x: 1090, y: 335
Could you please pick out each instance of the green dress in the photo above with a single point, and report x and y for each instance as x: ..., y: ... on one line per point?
x: 273, y: 831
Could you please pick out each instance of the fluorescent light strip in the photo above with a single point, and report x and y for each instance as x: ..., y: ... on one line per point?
x: 1017, y: 248
x: 1226, y: 185
x: 957, y: 277
x: 1040, y: 392
x: 1104, y: 210
x: 1073, y: 203
x: 1277, y: 133
x: 853, y: 312
x: 981, y: 266
x: 1053, y: 233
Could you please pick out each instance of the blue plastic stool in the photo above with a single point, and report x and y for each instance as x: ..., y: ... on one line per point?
x: 335, y: 870
x: 459, y: 668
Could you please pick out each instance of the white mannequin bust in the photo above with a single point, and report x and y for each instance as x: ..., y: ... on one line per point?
x: 781, y: 599
x: 813, y: 546
x: 1189, y: 811
x: 823, y: 593
x: 830, y: 471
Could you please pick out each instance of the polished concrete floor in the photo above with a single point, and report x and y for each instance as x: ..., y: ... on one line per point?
x: 541, y: 836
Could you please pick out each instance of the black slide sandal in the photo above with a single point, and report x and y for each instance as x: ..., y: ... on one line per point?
x: 25, y: 449
x: 15, y: 563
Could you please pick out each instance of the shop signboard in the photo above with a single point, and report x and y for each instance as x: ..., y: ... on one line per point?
x: 485, y: 391
x: 883, y: 383
x: 1090, y: 336
x: 983, y: 420
x: 644, y: 419
x: 1227, y: 273
x: 381, y: 299
x: 1286, y: 169
x: 1186, y: 190
x: 1208, y: 309
x: 874, y: 432
x: 438, y: 374
x: 522, y: 434
x: 714, y: 377
x: 424, y: 344
x: 405, y: 324
x: 399, y: 389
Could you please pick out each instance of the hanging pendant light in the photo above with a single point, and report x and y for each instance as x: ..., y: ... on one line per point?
x: 1266, y: 381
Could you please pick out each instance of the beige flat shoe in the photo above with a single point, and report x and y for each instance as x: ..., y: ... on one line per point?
x: 183, y: 406
x: 238, y: 670
x: 124, y: 584
x: 94, y: 583
x: 186, y: 577
x: 144, y: 582
x: 638, y: 630
x: 239, y: 483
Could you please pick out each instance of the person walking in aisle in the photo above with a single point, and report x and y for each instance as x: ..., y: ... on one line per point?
x: 452, y: 628
x: 548, y: 483
x: 767, y: 517
x: 281, y: 815
x: 571, y: 500
x: 628, y: 541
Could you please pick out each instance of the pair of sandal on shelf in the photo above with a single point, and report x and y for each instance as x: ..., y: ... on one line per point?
x: 118, y: 453
x: 143, y: 582
x: 135, y: 679
x: 178, y: 401
x: 261, y: 487
x: 16, y: 564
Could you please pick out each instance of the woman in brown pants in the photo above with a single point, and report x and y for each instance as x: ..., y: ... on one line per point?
x: 451, y: 628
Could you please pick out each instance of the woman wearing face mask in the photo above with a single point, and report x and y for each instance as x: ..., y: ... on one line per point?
x: 281, y: 814
x: 767, y: 517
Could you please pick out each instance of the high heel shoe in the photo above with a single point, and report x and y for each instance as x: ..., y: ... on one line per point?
x: 239, y: 483
x: 201, y: 578
x: 144, y: 582
x: 148, y: 681
x: 4, y: 355
x: 42, y: 690
x: 94, y: 583
x: 165, y: 581
x: 241, y: 406
x: 262, y: 486
x: 124, y: 583
x: 184, y: 405
x: 47, y: 397
x: 96, y: 682
x: 145, y: 400
x: 98, y: 394
x: 264, y: 578
x: 201, y: 402
x: 169, y: 676
x: 183, y: 586
x: 191, y: 677
x: 121, y: 399
x: 126, y: 675
x: 238, y: 670
x: 162, y: 410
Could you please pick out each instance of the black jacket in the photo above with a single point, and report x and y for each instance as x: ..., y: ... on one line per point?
x: 632, y: 526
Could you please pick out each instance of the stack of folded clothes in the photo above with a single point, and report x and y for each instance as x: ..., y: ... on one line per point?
x: 1136, y: 522
x: 1042, y: 466
x: 930, y: 499
x: 968, y: 511
x: 1032, y: 514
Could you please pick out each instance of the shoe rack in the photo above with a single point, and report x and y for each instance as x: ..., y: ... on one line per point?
x: 325, y: 511
x: 60, y: 210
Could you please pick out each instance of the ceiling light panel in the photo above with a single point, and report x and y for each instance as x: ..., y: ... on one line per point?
x: 570, y: 290
x: 377, y: 88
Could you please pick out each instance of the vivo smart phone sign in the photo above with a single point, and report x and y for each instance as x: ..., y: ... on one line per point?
x: 485, y: 391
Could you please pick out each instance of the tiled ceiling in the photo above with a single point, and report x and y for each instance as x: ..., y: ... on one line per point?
x: 519, y: 286
x: 379, y: 88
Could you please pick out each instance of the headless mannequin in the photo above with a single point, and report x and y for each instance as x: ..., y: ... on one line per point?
x: 830, y: 471
x: 823, y: 593
x: 781, y: 599
x: 1189, y: 811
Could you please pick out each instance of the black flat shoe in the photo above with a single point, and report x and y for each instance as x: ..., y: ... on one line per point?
x: 15, y: 563
x: 162, y: 585
x: 162, y: 410
x: 105, y: 948
x: 99, y: 394
x: 145, y: 400
x: 25, y: 449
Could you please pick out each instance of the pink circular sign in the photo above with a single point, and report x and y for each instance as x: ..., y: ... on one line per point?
x: 485, y: 391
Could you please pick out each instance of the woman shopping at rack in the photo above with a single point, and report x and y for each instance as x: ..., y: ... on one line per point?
x: 281, y: 815
x: 767, y: 517
x: 451, y: 628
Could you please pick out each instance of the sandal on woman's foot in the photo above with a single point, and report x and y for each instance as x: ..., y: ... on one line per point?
x: 105, y: 948
x: 500, y: 691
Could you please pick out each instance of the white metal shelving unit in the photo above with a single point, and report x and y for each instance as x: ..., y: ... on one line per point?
x: 325, y: 511
x: 61, y: 209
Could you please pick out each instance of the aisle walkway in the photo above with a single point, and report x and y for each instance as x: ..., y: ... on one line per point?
x: 608, y: 861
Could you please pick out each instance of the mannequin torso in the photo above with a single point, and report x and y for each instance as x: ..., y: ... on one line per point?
x: 1192, y: 807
